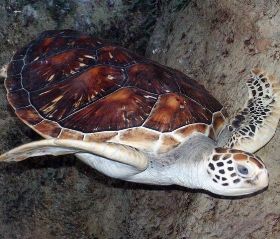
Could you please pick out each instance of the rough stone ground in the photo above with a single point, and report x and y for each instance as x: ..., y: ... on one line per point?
x: 216, y: 42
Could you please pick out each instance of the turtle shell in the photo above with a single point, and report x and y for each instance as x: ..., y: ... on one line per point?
x: 67, y: 84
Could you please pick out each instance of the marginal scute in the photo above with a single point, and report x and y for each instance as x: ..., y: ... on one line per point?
x: 18, y: 99
x: 46, y: 127
x: 29, y: 114
x: 19, y: 55
x: 188, y: 130
x: 13, y: 83
x: 100, y: 137
x: 15, y: 67
x: 138, y: 134
x: 139, y: 137
x: 47, y: 42
x: 70, y: 134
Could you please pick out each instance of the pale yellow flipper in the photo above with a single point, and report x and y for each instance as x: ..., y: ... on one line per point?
x: 116, y: 152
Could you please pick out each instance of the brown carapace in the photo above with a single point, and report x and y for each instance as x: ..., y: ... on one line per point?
x: 67, y: 84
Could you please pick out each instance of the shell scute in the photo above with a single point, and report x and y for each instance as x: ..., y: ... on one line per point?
x: 194, y: 90
x: 124, y: 108
x: 52, y: 69
x: 115, y: 55
x: 54, y: 42
x: 173, y: 111
x: 150, y: 77
x: 59, y: 100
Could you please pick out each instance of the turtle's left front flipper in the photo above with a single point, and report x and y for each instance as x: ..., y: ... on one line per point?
x: 113, y: 151
x: 256, y: 124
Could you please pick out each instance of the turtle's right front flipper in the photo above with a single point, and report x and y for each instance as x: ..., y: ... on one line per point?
x: 256, y: 124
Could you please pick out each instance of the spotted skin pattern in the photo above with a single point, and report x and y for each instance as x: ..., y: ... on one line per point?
x: 68, y: 84
x: 259, y: 117
x: 229, y: 167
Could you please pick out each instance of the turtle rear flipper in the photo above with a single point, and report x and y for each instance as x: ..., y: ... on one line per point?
x: 256, y: 124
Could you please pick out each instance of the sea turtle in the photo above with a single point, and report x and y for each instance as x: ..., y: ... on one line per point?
x: 134, y: 119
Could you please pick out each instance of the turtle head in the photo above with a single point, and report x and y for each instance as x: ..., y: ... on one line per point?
x: 233, y: 172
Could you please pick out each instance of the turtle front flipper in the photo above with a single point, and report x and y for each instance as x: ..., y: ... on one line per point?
x: 116, y: 152
x: 256, y: 124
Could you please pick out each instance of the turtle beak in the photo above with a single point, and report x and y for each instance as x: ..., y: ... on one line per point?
x: 255, y: 184
x: 261, y: 180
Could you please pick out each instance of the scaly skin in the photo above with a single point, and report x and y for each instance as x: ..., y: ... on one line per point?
x: 191, y: 165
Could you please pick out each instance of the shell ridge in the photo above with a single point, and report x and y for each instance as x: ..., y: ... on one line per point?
x: 151, y: 112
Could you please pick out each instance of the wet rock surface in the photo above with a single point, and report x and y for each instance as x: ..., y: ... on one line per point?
x: 216, y: 43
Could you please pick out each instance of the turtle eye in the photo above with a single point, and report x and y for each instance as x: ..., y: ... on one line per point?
x: 242, y: 170
x: 245, y: 171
